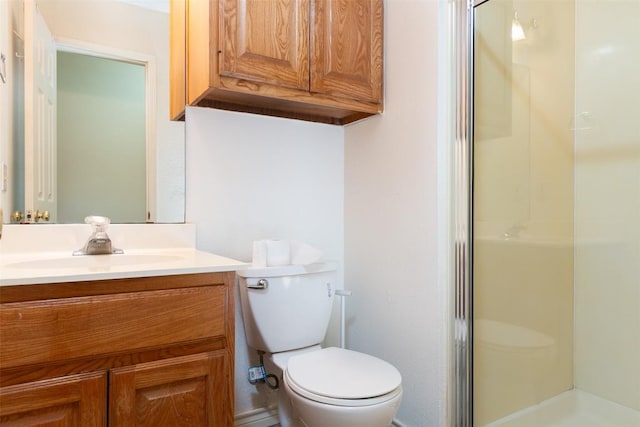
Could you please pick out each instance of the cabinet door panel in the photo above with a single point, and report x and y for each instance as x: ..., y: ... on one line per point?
x: 76, y: 400
x: 200, y: 53
x: 266, y: 41
x: 346, y: 45
x: 50, y: 330
x: 183, y: 391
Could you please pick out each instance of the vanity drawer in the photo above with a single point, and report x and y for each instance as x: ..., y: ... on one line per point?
x: 46, y: 331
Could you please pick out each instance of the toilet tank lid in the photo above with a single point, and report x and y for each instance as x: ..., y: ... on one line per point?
x: 343, y: 374
x: 288, y: 270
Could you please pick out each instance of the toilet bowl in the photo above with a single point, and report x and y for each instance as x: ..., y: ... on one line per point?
x: 286, y: 312
x: 338, y: 387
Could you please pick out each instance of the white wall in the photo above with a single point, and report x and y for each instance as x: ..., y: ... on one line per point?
x: 253, y: 177
x: 398, y: 310
x: 238, y: 164
x: 116, y: 25
x: 607, y: 254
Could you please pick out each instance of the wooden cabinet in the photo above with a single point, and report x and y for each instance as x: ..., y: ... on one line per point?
x: 74, y: 400
x: 316, y: 60
x: 177, y: 49
x: 144, y: 351
x: 179, y: 391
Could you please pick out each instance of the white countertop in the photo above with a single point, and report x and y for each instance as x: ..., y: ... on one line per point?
x: 54, y: 267
x: 33, y: 254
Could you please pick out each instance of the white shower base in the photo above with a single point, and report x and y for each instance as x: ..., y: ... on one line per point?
x: 574, y: 408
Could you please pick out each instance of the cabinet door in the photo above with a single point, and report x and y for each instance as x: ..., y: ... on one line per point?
x: 266, y: 41
x: 77, y: 400
x: 177, y: 58
x: 189, y: 391
x: 346, y: 46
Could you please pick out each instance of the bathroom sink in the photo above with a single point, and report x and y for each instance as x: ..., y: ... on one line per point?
x: 94, y: 261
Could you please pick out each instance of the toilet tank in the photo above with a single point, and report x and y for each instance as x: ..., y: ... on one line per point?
x: 286, y: 308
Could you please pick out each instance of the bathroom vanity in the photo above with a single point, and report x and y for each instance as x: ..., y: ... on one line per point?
x: 118, y: 341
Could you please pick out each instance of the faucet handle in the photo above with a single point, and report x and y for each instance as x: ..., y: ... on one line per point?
x: 97, y: 219
x: 99, y: 223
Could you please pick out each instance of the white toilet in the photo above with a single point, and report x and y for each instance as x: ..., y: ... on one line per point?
x: 286, y: 313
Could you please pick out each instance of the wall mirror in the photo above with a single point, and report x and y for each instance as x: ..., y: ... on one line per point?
x: 114, y: 151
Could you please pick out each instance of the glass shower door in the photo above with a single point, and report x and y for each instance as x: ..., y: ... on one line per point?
x: 522, y: 205
x: 556, y: 213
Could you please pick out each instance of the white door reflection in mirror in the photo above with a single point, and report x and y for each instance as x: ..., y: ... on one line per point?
x: 40, y: 114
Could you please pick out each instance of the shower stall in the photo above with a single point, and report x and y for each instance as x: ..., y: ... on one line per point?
x: 548, y: 283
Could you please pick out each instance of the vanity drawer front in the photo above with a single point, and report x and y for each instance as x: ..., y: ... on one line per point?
x: 51, y: 330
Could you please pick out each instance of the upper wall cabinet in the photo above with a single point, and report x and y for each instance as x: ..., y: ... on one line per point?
x: 316, y: 60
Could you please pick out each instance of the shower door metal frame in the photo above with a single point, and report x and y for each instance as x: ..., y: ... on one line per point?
x: 462, y: 366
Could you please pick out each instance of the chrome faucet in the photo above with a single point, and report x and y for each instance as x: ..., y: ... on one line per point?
x: 99, y: 242
x: 514, y: 231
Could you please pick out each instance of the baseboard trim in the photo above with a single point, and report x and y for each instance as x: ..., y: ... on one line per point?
x: 262, y: 417
x: 268, y: 417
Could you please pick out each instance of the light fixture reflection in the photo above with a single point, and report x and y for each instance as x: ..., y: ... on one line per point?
x: 517, y: 32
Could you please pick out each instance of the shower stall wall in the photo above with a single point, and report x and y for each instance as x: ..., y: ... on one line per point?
x: 607, y: 200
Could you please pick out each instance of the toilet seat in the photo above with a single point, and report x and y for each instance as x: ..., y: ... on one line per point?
x: 342, y: 377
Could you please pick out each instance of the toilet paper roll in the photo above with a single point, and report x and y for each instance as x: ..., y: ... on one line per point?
x: 259, y: 258
x: 278, y: 253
